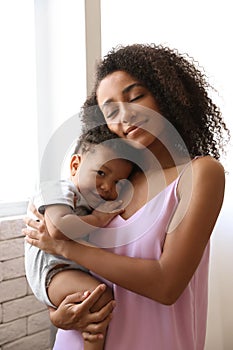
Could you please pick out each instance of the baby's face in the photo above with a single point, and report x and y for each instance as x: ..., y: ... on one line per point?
x: 100, y: 173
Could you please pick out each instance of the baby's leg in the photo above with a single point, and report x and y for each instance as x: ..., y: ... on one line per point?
x: 71, y: 281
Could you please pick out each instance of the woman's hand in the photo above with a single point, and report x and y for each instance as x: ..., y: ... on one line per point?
x: 38, y: 234
x: 74, y: 313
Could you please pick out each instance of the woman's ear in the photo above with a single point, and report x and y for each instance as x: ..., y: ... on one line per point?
x: 75, y: 163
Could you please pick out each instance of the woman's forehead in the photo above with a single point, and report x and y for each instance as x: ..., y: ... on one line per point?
x: 114, y: 83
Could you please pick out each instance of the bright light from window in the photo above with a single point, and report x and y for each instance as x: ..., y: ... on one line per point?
x: 18, y: 137
x: 43, y: 84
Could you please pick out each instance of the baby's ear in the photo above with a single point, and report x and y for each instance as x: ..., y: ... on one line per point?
x: 74, y: 163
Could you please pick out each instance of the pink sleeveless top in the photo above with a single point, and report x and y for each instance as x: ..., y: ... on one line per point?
x: 140, y: 323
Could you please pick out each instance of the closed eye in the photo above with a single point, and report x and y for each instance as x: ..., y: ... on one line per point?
x: 112, y: 114
x: 136, y: 98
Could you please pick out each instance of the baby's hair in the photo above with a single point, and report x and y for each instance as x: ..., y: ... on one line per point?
x: 180, y: 90
x: 93, y: 136
x: 101, y: 134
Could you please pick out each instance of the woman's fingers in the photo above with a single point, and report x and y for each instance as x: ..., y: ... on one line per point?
x: 29, y: 233
x: 31, y: 222
x: 32, y: 208
x: 41, y: 239
x: 94, y: 296
x: 100, y: 327
x: 36, y: 225
x: 74, y: 312
x: 88, y: 301
x: 32, y: 237
x: 91, y: 297
x: 76, y: 298
x: 69, y: 313
x: 91, y: 337
x: 103, y: 313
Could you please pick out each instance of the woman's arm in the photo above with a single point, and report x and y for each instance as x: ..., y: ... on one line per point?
x: 165, y: 279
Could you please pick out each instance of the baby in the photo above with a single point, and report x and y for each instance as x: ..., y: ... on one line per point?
x: 74, y: 208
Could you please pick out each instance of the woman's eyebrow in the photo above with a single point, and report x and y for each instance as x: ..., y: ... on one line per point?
x: 130, y: 87
x: 106, y: 103
x: 126, y: 90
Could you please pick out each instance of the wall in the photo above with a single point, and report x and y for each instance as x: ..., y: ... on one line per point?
x: 24, y: 321
x: 220, y: 316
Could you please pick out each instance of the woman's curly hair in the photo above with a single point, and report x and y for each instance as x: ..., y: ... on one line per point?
x: 180, y: 91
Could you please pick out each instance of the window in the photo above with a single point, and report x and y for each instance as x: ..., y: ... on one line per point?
x: 43, y: 85
x: 18, y: 137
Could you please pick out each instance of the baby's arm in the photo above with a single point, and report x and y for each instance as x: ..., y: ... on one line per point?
x: 63, y: 223
x: 52, y: 215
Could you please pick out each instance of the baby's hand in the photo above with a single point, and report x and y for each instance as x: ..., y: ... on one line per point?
x: 110, y: 207
x: 106, y: 211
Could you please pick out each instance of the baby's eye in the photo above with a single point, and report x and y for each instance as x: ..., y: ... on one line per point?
x: 100, y: 172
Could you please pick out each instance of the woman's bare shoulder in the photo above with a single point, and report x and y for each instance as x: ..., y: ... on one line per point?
x: 200, y: 192
x: 209, y: 169
x: 207, y: 161
x: 202, y: 180
x: 200, y: 170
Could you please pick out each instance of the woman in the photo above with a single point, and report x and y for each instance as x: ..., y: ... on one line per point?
x: 157, y: 257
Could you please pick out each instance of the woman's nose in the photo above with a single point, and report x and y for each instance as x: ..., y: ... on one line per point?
x: 127, y: 113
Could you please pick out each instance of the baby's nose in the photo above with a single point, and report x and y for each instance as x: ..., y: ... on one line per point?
x: 108, y: 191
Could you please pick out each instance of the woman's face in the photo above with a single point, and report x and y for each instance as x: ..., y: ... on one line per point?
x: 129, y: 108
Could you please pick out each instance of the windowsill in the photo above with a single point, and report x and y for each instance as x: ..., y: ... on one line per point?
x: 9, y: 209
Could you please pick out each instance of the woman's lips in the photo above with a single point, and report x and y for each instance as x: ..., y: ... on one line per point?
x: 130, y: 129
x: 134, y: 129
